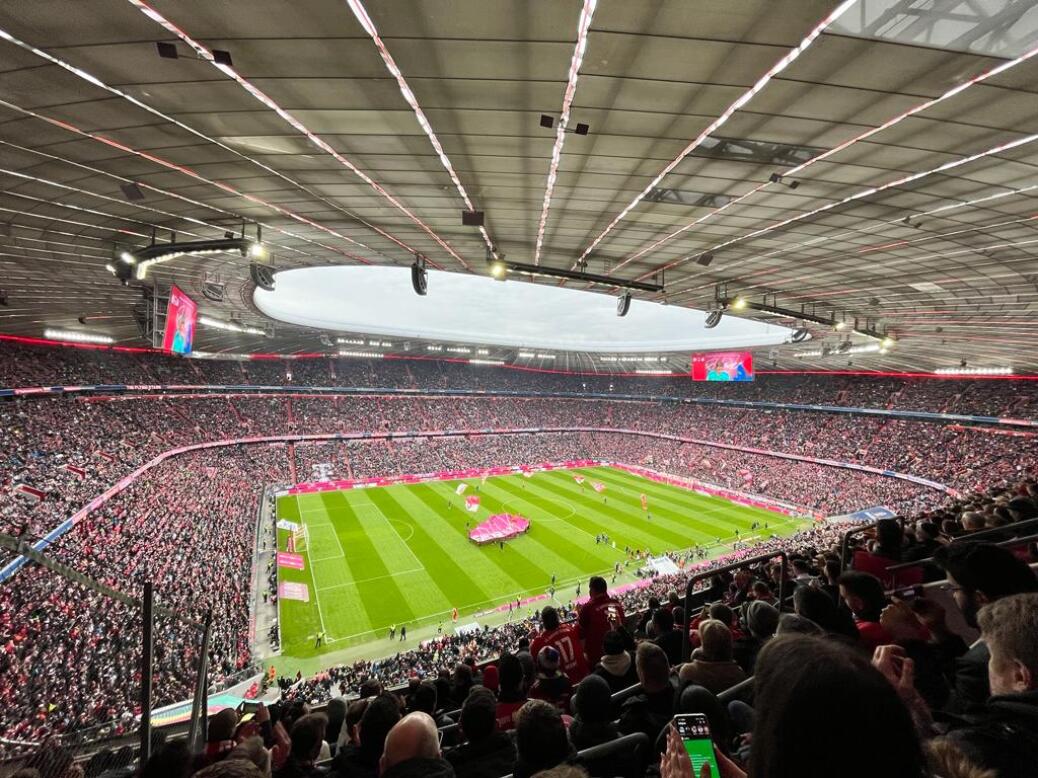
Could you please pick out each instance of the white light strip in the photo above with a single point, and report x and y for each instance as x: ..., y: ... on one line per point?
x: 361, y: 13
x: 955, y: 90
x: 362, y: 354
x: 350, y: 341
x: 486, y: 362
x: 434, y: 348
x: 545, y: 356
x: 583, y: 25
x: 646, y: 371
x: 775, y: 69
x: 77, y: 337
x: 483, y: 352
x: 207, y: 321
x: 973, y: 371
x: 459, y: 349
x: 320, y: 143
x: 526, y: 355
x: 4, y: 35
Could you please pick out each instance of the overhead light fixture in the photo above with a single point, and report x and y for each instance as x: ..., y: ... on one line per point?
x: 258, y: 251
x: 840, y: 326
x: 739, y: 304
x: 581, y: 129
x: 434, y: 348
x: 156, y: 253
x: 262, y: 276
x: 526, y: 355
x: 646, y: 371
x: 229, y: 326
x: 362, y: 354
x: 713, y: 318
x: 498, y: 270
x: 419, y: 276
x: 705, y: 259
x: 623, y: 304
x: 800, y: 334
x: 500, y: 266
x: 547, y: 121
x: 350, y: 341
x: 75, y: 336
x: 128, y: 258
x: 486, y: 361
x: 472, y: 218
x: 483, y: 352
x: 167, y: 50
x: 888, y: 342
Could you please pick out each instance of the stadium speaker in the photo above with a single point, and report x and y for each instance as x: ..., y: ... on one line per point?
x: 472, y: 218
x: 623, y: 304
x: 262, y: 276
x: 714, y: 318
x: 800, y: 334
x: 419, y: 278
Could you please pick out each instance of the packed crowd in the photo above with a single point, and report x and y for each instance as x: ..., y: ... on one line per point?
x: 840, y: 678
x: 24, y: 365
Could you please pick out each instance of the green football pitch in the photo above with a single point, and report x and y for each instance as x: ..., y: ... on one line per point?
x: 400, y: 555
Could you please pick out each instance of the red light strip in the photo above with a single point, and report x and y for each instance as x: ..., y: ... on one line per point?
x: 583, y: 25
x: 955, y: 90
x: 369, y: 27
x: 4, y: 35
x: 187, y: 172
x: 270, y: 103
x: 716, y: 124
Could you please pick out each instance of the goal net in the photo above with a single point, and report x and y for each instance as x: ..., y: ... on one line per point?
x: 297, y: 541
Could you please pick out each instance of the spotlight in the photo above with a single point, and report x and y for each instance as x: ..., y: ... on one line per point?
x: 840, y: 326
x: 739, y: 304
x: 887, y: 343
x: 262, y: 276
x: 419, y: 278
x: 258, y: 251
x: 498, y: 270
x: 800, y: 334
x: 714, y: 318
x: 623, y: 304
x: 472, y: 218
x: 128, y: 258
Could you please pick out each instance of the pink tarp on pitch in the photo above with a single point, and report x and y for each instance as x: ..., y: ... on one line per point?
x: 285, y: 559
x: 500, y: 526
x: 294, y: 591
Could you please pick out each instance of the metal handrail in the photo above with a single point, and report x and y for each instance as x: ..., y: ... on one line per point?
x: 1033, y: 538
x: 686, y: 641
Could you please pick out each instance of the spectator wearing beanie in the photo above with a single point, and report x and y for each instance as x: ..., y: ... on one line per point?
x: 551, y: 685
x: 761, y: 622
x: 592, y: 707
x: 486, y: 752
x: 616, y: 665
x: 712, y: 665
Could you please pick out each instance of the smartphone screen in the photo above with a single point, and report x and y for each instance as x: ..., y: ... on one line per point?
x: 694, y: 731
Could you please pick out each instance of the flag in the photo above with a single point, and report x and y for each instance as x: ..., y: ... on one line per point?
x: 598, y: 486
x: 579, y: 479
x: 472, y: 503
x: 645, y: 503
x: 30, y: 491
x: 461, y: 488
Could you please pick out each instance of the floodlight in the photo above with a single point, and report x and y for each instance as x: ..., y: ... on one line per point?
x: 739, y: 304
x: 498, y: 270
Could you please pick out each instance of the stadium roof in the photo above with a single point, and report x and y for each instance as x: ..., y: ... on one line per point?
x: 357, y: 132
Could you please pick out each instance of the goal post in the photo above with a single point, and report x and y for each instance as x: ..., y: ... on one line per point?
x: 297, y: 541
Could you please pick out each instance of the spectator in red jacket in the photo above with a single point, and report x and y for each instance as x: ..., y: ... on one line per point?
x: 863, y: 594
x: 597, y: 616
x: 564, y: 638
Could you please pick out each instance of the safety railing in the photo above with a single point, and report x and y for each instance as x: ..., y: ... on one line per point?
x: 686, y: 641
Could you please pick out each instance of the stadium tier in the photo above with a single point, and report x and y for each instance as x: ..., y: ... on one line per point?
x: 537, y: 389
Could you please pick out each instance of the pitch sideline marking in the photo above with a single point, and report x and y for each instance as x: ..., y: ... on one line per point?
x: 373, y: 578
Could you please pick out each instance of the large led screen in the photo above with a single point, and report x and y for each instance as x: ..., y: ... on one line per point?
x: 181, y: 313
x: 723, y: 366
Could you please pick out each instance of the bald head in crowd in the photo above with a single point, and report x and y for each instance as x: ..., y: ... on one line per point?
x: 413, y: 737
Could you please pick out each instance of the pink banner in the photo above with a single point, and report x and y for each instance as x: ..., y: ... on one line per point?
x: 472, y: 503
x: 500, y: 526
x: 294, y: 591
x: 294, y: 561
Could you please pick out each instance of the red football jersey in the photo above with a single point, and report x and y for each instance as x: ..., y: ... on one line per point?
x: 565, y: 640
x: 597, y: 616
